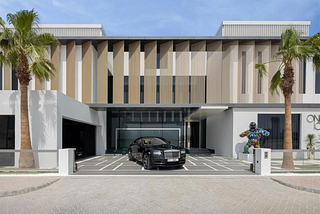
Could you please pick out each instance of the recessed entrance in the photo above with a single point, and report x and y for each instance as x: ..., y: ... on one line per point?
x: 80, y: 136
x: 194, y: 134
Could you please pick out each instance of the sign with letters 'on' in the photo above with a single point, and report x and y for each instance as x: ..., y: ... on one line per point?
x: 315, y: 120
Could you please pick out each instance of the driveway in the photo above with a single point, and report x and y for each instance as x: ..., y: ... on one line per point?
x: 195, y: 165
x: 163, y: 194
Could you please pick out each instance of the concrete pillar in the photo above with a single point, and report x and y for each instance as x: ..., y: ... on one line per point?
x: 263, y: 161
x: 66, y: 161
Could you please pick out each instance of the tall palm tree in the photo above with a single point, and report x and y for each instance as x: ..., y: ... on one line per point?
x: 25, y: 50
x: 290, y: 48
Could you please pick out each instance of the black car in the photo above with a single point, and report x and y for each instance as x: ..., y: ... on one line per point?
x: 156, y: 151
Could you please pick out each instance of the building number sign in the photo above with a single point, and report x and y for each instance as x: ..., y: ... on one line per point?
x: 315, y: 120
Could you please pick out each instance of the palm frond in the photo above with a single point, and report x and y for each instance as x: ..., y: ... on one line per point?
x: 47, y: 39
x: 42, y: 69
x: 314, y: 43
x: 12, y: 57
x: 24, y: 21
x: 261, y: 69
x: 301, y: 52
x: 275, y: 82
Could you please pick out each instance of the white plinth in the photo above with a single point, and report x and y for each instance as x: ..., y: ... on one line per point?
x: 263, y: 161
x: 246, y: 157
x: 66, y: 161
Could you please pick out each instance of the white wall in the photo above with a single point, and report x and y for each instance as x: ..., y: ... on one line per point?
x: 219, y: 133
x: 223, y: 129
x: 243, y: 117
x: 46, y: 111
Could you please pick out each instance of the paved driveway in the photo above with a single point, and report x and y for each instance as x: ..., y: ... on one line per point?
x: 195, y: 165
x: 163, y: 194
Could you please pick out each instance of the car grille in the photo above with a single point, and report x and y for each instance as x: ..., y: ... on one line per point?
x: 171, y: 154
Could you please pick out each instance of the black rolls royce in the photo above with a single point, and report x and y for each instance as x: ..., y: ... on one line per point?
x: 156, y: 151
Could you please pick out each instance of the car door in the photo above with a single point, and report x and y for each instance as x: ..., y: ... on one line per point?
x: 134, y: 148
x: 140, y: 149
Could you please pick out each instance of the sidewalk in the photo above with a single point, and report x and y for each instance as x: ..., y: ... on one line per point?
x: 309, y: 183
x: 11, y: 185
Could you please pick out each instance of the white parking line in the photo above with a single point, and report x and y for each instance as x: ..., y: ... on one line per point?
x: 210, y: 166
x: 217, y: 163
x: 115, y: 156
x: 118, y: 166
x: 192, y: 163
x: 111, y: 163
x: 185, y: 168
x: 142, y: 168
x: 101, y: 162
x: 192, y: 158
x: 89, y: 159
x: 80, y: 166
x: 223, y: 162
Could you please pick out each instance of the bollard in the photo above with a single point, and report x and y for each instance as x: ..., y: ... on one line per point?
x: 262, y: 164
x: 66, y: 161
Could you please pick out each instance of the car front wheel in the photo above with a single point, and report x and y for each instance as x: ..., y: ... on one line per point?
x: 146, y: 161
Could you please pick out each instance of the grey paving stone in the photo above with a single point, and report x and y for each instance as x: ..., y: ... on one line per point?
x: 75, y: 194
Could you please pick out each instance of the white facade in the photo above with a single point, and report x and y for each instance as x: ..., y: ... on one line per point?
x: 223, y: 129
x: 47, y: 109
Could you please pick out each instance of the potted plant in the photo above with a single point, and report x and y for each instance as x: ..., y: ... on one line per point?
x: 311, y: 145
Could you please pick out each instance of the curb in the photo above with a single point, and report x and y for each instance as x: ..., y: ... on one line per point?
x: 26, y: 190
x: 307, y: 189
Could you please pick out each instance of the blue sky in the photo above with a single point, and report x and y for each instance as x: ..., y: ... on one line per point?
x: 166, y: 17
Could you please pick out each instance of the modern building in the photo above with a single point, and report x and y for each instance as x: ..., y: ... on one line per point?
x: 198, y: 92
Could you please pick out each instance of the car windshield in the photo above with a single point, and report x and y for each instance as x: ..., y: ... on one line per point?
x: 155, y: 141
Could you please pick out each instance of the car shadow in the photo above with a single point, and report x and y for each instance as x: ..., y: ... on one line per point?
x: 160, y: 168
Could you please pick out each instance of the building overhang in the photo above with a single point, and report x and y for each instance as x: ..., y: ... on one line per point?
x: 205, y: 112
x: 192, y: 107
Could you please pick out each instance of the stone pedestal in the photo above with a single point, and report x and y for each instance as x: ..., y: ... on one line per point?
x: 246, y: 157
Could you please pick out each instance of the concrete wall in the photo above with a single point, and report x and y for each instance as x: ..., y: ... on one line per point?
x: 47, y: 109
x: 219, y: 133
x: 243, y: 116
x: 223, y: 129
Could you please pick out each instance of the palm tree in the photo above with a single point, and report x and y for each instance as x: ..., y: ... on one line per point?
x: 290, y: 48
x: 311, y: 139
x: 19, y: 47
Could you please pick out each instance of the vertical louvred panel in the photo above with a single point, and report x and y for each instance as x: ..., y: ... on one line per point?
x: 118, y: 72
x: 7, y: 78
x: 71, y: 54
x: 102, y: 73
x: 86, y: 72
x: 134, y: 72
x: 55, y: 59
x: 182, y: 73
x: 214, y: 70
x: 150, y: 72
x: 166, y: 72
x: 198, y: 72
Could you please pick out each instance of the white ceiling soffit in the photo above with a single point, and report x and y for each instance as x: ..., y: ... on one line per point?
x: 206, y: 111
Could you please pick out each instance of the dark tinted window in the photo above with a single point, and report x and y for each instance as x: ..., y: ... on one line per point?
x: 274, y: 123
x: 318, y: 82
x: 155, y: 141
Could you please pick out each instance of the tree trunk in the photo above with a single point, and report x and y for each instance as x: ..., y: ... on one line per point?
x: 26, y: 158
x: 287, y: 143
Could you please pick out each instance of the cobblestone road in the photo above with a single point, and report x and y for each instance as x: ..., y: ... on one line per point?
x: 163, y: 194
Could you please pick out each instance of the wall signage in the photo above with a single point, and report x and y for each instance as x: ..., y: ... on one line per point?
x: 315, y: 120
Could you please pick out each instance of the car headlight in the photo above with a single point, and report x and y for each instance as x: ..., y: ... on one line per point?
x: 183, y: 152
x: 156, y: 152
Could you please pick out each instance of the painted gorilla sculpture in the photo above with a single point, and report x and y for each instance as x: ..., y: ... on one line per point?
x: 253, y: 134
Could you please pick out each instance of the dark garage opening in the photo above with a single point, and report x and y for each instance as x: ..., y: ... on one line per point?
x: 80, y: 136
